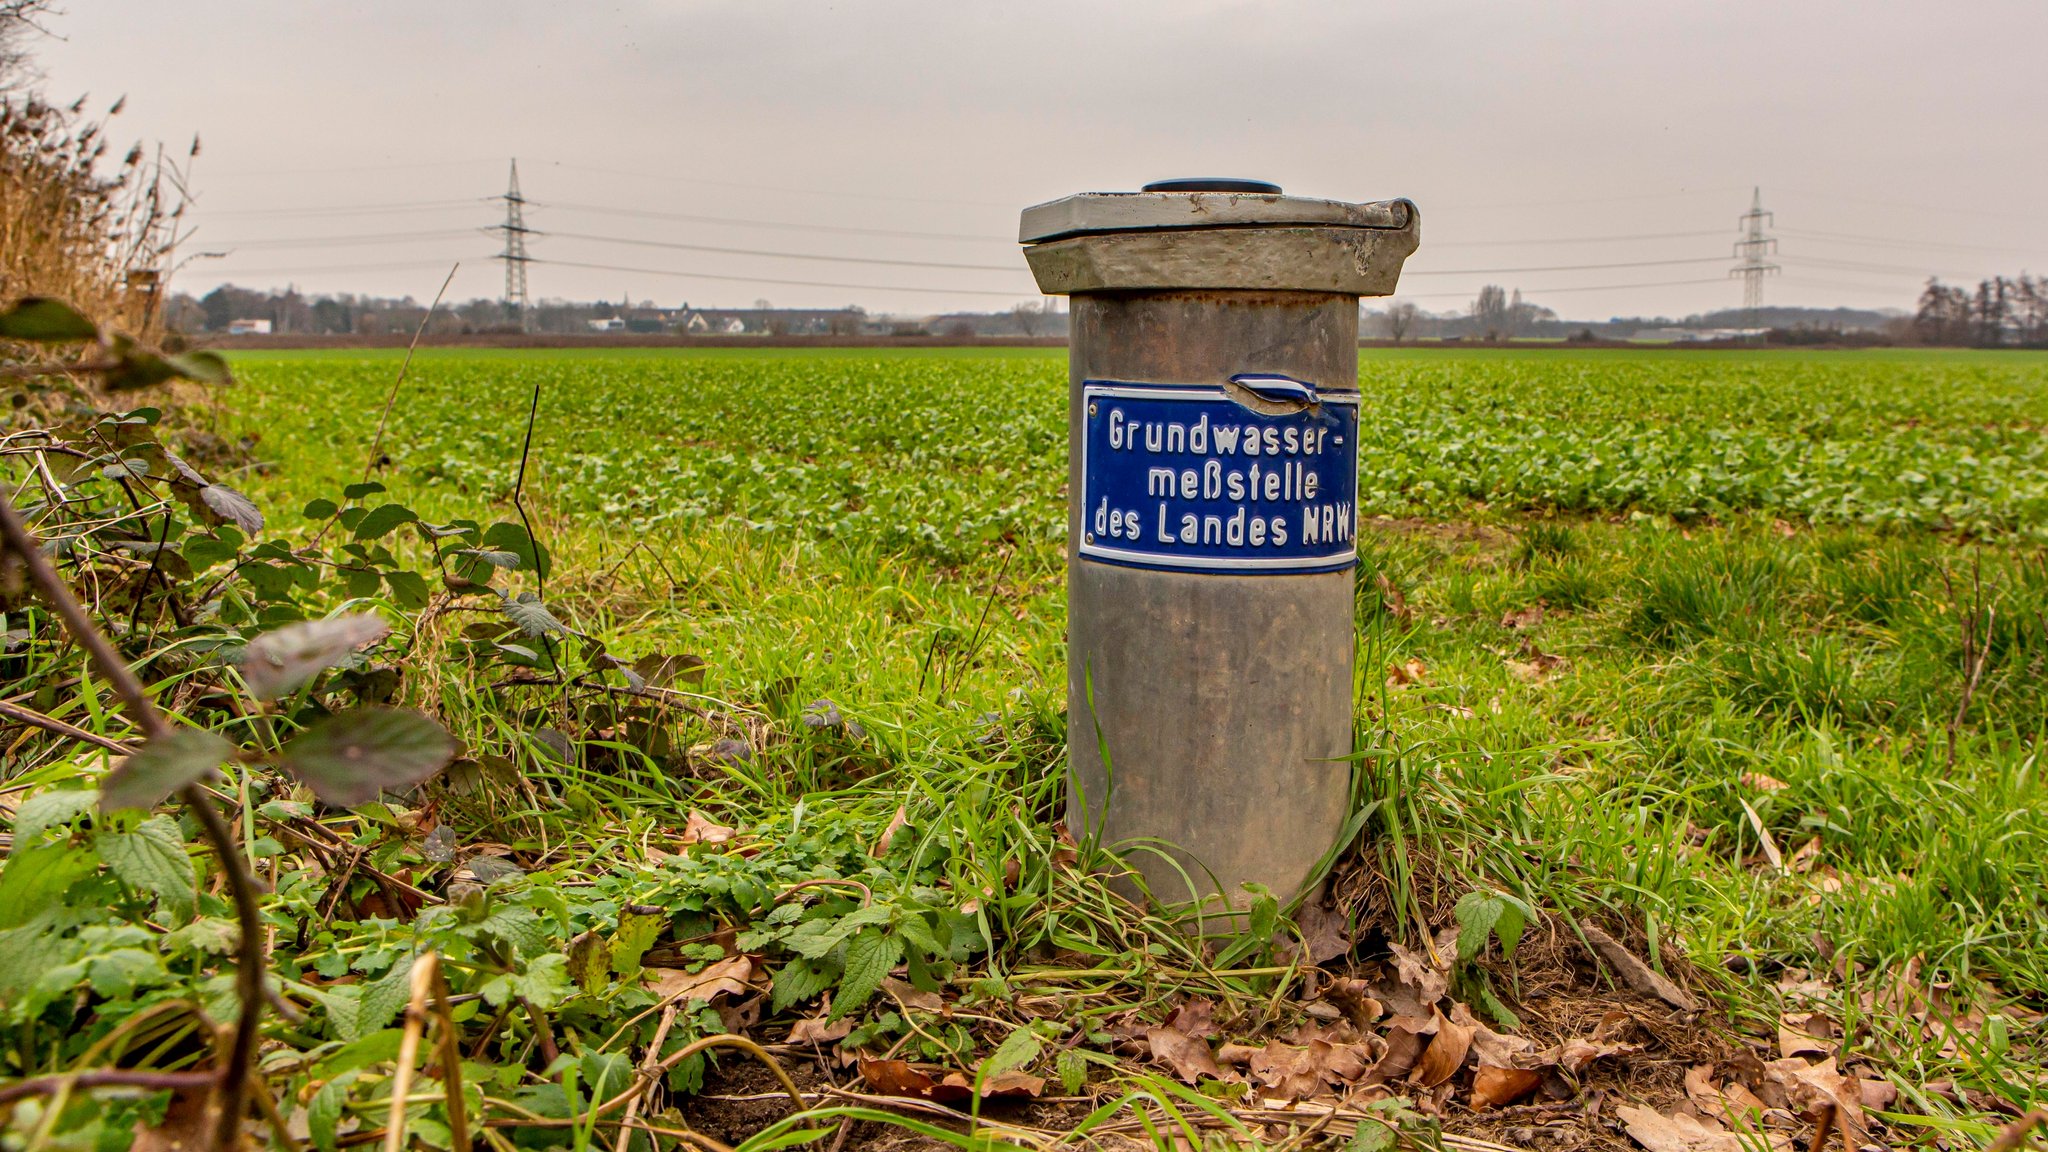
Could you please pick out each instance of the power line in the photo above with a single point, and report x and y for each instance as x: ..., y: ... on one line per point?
x: 1564, y: 267
x: 1557, y: 291
x: 467, y: 203
x: 836, y: 192
x: 345, y: 241
x: 1860, y: 241
x: 779, y: 283
x: 1573, y: 239
x: 558, y: 205
x: 1012, y: 268
x: 303, y: 269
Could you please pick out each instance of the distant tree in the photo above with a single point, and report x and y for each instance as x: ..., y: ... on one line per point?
x: 1027, y: 314
x: 1400, y: 320
x: 1943, y: 316
x: 1491, y: 312
x: 845, y: 322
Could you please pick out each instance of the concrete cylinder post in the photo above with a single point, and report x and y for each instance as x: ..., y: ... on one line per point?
x: 1211, y: 514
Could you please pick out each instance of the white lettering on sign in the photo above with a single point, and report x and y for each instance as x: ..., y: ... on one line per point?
x: 1189, y: 478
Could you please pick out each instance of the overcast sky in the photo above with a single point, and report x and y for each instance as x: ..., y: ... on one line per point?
x: 351, y: 146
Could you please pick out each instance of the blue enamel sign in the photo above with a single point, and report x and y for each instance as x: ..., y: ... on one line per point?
x: 1258, y: 476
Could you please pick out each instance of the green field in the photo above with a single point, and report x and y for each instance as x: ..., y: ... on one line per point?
x: 1741, y: 655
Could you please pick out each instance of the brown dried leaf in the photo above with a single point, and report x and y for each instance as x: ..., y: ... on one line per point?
x: 701, y: 829
x: 1805, y: 1034
x: 1819, y: 1089
x: 1763, y: 783
x: 1684, y: 1133
x: 1392, y: 598
x: 1287, y: 1071
x: 727, y: 977
x: 896, y: 1078
x: 1195, y: 1018
x: 1525, y: 617
x: 1636, y: 974
x: 1419, y: 983
x: 1189, y: 1058
x: 1323, y: 930
x: 819, y: 1030
x: 1354, y: 998
x: 1406, y: 1040
x: 1013, y: 1085
x: 912, y: 996
x: 1445, y: 1054
x: 1490, y: 1047
x: 896, y: 822
x: 1494, y: 1087
x: 1410, y: 671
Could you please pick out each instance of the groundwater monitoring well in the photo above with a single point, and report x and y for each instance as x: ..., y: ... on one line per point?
x: 1211, y: 516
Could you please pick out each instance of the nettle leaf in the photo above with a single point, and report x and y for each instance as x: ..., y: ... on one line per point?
x: 637, y: 933
x: 869, y: 956
x: 801, y: 980
x: 544, y: 984
x: 347, y: 759
x: 532, y: 616
x: 383, y: 520
x: 163, y: 766
x: 1483, y: 914
x: 384, y: 996
x: 1017, y: 1050
x: 151, y: 859
x: 231, y: 507
x: 46, y: 320
x: 279, y: 663
x: 46, y: 810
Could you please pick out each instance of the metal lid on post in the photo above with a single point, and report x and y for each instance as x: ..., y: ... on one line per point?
x: 1217, y: 233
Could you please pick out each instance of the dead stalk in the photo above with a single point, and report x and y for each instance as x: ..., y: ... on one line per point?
x: 451, y: 1062
x: 650, y: 1075
x: 423, y: 972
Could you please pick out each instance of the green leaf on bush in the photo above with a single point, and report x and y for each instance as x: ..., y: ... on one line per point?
x: 281, y: 662
x: 151, y: 859
x: 1017, y: 1050
x: 347, y: 759
x: 161, y: 767
x: 45, y: 320
x: 228, y: 506
x: 383, y: 520
x: 544, y: 984
x: 532, y: 616
x: 800, y: 980
x: 408, y: 589
x: 46, y: 810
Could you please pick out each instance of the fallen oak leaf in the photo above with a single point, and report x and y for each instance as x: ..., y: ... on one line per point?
x: 1189, y: 1058
x: 1684, y: 1133
x: 1406, y: 1040
x: 1445, y: 1054
x: 1805, y: 1034
x: 701, y: 829
x: 819, y: 1030
x: 726, y: 977
x: 1497, y: 1087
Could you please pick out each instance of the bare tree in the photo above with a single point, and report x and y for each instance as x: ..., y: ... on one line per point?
x: 1400, y: 320
x: 1492, y: 312
x: 1027, y: 314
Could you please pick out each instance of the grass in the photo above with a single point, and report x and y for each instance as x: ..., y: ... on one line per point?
x: 1749, y: 644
